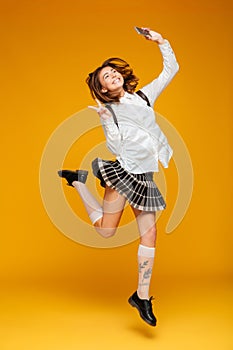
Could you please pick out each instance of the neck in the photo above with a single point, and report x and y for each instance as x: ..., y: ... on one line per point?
x: 122, y: 92
x: 119, y: 93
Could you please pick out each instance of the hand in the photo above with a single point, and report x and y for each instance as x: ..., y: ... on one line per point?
x: 154, y: 36
x: 103, y: 112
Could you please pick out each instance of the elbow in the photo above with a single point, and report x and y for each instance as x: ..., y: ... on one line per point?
x: 114, y: 145
x: 173, y: 69
x: 176, y: 68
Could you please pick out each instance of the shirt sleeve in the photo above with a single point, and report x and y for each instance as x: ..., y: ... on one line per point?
x: 170, y: 68
x: 112, y: 134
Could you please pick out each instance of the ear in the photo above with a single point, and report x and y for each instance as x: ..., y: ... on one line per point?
x: 104, y: 90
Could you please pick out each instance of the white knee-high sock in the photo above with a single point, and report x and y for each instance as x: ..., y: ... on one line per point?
x: 93, y: 208
x: 145, y: 266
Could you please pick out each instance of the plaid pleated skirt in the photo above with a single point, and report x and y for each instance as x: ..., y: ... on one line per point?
x: 139, y: 189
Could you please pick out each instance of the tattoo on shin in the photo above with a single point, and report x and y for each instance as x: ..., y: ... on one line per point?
x: 147, y: 274
x: 143, y: 265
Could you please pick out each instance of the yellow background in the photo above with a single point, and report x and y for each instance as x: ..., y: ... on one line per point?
x: 57, y: 294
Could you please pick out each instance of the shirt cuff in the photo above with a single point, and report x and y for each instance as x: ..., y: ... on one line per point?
x: 166, y: 48
x: 165, y: 44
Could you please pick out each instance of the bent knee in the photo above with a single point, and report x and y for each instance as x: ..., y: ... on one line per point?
x: 109, y: 233
x: 105, y: 232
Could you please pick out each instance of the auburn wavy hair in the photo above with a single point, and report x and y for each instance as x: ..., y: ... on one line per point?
x: 121, y: 66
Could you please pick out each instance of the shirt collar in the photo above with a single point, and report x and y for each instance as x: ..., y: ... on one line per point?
x: 127, y: 96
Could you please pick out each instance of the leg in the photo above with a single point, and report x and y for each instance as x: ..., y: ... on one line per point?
x: 106, y: 218
x: 113, y: 206
x: 146, y: 251
x: 147, y: 227
x: 140, y: 299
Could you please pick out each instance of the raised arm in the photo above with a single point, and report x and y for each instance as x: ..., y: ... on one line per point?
x: 170, y: 67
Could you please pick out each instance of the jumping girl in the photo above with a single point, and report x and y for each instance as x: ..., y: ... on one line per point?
x: 135, y: 139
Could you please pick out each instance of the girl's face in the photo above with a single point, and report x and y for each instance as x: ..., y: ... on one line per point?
x: 111, y: 80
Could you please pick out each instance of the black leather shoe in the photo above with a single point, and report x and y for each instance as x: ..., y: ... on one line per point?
x: 70, y: 176
x: 144, y: 307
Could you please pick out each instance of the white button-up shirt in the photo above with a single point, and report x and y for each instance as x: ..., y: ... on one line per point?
x: 138, y: 142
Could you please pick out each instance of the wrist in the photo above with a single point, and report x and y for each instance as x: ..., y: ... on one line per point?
x: 161, y: 41
x: 157, y: 38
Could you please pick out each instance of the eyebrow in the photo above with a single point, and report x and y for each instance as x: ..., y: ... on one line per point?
x: 108, y: 72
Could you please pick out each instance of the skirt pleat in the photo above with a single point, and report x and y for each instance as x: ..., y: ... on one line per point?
x: 139, y: 189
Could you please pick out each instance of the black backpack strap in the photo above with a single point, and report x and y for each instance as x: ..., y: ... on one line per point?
x: 107, y: 105
x: 144, y: 97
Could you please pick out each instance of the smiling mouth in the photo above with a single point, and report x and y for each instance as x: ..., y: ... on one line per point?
x: 115, y: 81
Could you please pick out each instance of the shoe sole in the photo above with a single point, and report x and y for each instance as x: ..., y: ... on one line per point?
x: 132, y: 303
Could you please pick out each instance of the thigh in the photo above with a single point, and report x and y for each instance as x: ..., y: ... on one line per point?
x: 144, y: 216
x: 146, y: 222
x: 113, y: 206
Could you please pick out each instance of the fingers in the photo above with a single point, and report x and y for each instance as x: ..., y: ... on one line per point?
x: 98, y: 102
x: 97, y: 108
x: 100, y: 109
x: 103, y: 112
x: 147, y: 29
x: 92, y: 107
